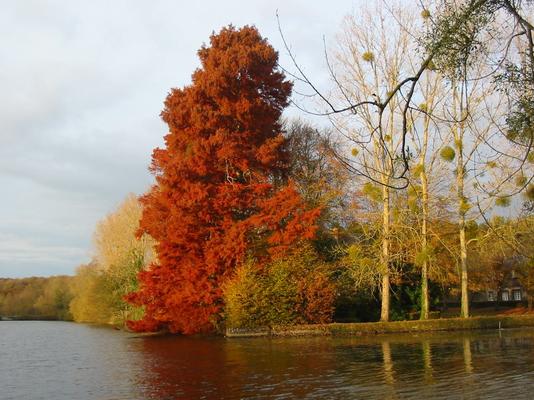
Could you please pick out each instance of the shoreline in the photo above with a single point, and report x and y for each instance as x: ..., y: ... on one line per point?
x: 32, y: 318
x: 379, y: 328
x: 348, y: 328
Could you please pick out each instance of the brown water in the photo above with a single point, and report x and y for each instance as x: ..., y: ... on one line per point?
x: 59, y: 360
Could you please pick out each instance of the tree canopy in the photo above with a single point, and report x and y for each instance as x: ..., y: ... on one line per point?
x: 221, y: 192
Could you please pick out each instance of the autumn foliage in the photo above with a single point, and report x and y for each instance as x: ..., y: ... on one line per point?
x: 221, y: 192
x: 294, y: 290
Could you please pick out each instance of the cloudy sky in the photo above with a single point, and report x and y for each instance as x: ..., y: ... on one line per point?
x: 82, y: 85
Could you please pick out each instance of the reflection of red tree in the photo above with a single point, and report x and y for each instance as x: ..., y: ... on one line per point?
x: 218, y: 195
x: 468, y: 364
x: 183, y: 368
x: 216, y: 368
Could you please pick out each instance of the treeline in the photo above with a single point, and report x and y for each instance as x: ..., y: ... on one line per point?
x: 96, y: 293
x: 36, y: 298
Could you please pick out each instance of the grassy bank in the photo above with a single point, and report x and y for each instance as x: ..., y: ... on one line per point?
x: 32, y: 318
x: 373, y: 328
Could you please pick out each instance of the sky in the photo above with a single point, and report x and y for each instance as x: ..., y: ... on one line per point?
x: 82, y: 85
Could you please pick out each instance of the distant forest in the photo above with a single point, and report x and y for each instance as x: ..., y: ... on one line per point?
x: 36, y: 298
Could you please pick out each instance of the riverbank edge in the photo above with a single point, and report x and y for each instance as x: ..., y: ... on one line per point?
x: 376, y: 328
x: 33, y: 318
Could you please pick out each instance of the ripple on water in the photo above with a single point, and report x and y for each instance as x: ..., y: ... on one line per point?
x: 55, y: 360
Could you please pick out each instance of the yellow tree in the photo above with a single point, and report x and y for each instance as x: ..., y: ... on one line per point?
x: 100, y: 287
x: 119, y: 251
x: 121, y: 254
x: 91, y: 301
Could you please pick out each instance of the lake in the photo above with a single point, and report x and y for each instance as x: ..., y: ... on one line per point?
x: 61, y: 360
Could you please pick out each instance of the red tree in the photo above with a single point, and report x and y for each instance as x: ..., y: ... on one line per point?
x: 218, y: 196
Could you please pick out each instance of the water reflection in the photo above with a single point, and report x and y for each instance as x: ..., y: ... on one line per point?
x: 391, y: 367
x: 388, y: 371
x: 183, y: 368
x: 66, y: 361
x: 468, y: 359
x: 427, y: 361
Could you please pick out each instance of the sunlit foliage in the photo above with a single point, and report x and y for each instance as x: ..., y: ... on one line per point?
x: 295, y: 289
x: 99, y: 288
x: 220, y: 194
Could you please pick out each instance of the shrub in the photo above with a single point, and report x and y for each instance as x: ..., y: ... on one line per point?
x: 282, y: 293
x: 245, y: 298
x: 317, y: 297
x: 295, y: 289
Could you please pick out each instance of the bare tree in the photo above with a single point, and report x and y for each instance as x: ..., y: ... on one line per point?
x: 368, y: 64
x: 459, y: 30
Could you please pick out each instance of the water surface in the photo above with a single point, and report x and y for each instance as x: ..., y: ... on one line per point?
x: 60, y: 360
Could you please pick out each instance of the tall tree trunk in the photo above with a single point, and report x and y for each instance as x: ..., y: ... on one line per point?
x: 424, y: 242
x: 463, y: 206
x: 462, y: 209
x: 425, y: 306
x: 463, y: 264
x: 384, y: 314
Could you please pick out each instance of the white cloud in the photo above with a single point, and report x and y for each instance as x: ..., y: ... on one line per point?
x: 14, y: 249
x: 82, y: 87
